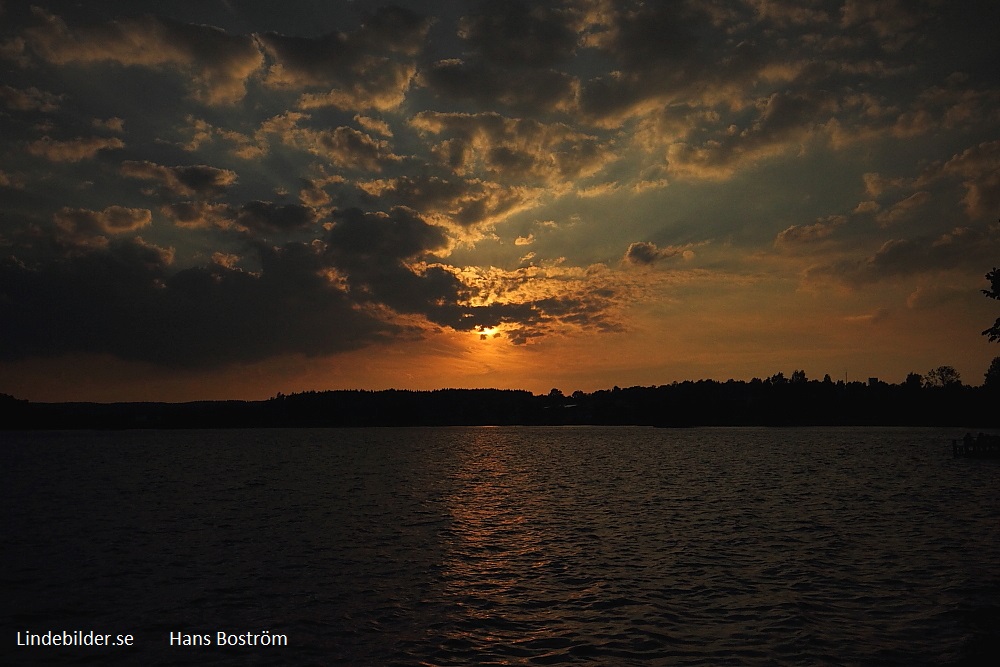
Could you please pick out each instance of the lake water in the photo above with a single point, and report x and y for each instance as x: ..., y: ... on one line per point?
x: 522, y: 546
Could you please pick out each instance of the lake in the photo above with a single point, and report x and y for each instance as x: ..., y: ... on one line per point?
x: 503, y: 546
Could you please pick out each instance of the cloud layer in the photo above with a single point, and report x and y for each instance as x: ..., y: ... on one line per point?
x: 201, y: 186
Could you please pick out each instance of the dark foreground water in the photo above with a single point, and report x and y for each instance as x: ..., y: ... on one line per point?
x: 524, y: 546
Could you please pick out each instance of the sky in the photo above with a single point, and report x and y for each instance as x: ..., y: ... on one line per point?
x: 231, y: 199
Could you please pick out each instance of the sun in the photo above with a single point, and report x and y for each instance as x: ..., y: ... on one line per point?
x: 485, y: 333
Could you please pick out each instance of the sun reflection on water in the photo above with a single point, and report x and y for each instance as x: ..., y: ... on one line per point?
x: 496, y: 546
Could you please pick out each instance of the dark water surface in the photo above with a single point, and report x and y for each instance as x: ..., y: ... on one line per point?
x: 524, y: 546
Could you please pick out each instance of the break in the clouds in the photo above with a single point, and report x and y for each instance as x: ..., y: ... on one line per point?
x: 203, y: 184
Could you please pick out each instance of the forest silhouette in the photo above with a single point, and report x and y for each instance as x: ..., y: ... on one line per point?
x: 937, y: 399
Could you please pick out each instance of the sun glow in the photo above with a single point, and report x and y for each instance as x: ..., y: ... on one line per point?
x: 485, y: 333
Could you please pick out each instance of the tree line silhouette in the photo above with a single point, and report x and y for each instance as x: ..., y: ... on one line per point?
x: 936, y: 399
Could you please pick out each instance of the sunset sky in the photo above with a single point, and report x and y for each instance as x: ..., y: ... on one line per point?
x: 230, y: 199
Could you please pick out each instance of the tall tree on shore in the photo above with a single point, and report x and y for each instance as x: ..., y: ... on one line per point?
x: 994, y: 293
x: 992, y: 378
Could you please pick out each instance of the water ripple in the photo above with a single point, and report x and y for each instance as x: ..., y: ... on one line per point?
x: 514, y: 546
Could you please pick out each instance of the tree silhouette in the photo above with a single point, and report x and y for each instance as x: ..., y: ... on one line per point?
x: 992, y: 378
x: 994, y: 293
x: 942, y: 376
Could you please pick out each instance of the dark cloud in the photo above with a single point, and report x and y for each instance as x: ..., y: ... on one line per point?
x: 785, y: 12
x: 12, y: 181
x: 123, y: 300
x: 527, y: 308
x: 783, y: 122
x: 200, y: 214
x: 378, y: 255
x: 514, y: 149
x: 962, y: 246
x: 785, y: 112
x: 352, y: 149
x: 512, y: 58
x: 645, y: 253
x: 392, y: 141
x: 327, y: 60
x: 978, y: 168
x: 368, y: 69
x: 799, y: 234
x: 29, y: 99
x: 660, y: 36
x: 344, y: 147
x: 113, y: 124
x: 249, y: 219
x: 423, y: 193
x: 532, y: 91
x: 522, y: 316
x: 374, y: 252
x: 359, y: 238
x: 266, y: 216
x: 903, y: 209
x: 515, y: 34
x: 182, y: 181
x: 722, y: 56
x: 126, y: 297
x: 892, y: 21
x: 464, y: 202
x: 665, y: 53
x: 218, y: 63
x: 396, y: 29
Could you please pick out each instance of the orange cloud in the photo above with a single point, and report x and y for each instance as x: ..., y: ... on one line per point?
x: 80, y: 224
x: 798, y: 234
x: 73, y: 150
x: 29, y: 99
x: 463, y: 204
x: 200, y: 215
x: 512, y: 149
